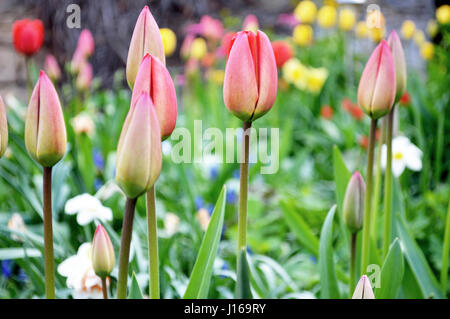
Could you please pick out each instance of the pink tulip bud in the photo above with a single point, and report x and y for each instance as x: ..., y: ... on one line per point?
x: 84, y: 77
x: 138, y: 162
x: 3, y: 128
x: 250, y: 84
x: 185, y: 49
x: 363, y: 289
x: 353, y: 207
x: 377, y: 88
x: 400, y: 64
x: 103, y: 257
x: 146, y: 39
x: 250, y: 23
x: 86, y: 44
x: 154, y: 78
x: 52, y: 68
x: 45, y: 131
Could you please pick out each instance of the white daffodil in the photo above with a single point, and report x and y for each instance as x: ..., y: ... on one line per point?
x: 404, y: 154
x: 87, y: 208
x: 81, y: 278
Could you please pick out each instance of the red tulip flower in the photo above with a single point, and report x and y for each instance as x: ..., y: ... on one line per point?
x: 283, y: 52
x: 326, y: 112
x: 28, y: 36
x: 405, y: 100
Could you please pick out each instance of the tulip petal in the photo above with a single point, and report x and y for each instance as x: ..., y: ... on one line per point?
x: 400, y: 64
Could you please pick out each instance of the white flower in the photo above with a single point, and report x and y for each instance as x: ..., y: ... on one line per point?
x: 171, y: 223
x: 404, y: 154
x: 87, y: 208
x: 81, y: 277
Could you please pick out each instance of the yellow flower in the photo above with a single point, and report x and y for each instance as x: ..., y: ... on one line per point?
x: 375, y: 20
x: 169, y: 40
x: 217, y: 76
x: 303, y: 34
x: 305, y: 11
x: 326, y: 16
x: 361, y: 29
x: 443, y: 14
x: 419, y: 37
x: 427, y: 50
x: 408, y: 28
x: 293, y: 71
x: 347, y: 19
x: 432, y: 28
x: 316, y: 79
x: 376, y: 34
x: 198, y: 48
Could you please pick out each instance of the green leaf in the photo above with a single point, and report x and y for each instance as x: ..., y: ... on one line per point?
x: 135, y: 290
x: 328, y: 281
x: 391, y: 273
x: 201, y: 274
x: 16, y: 253
x: 243, y: 290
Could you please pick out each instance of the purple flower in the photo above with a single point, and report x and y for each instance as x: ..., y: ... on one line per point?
x: 198, y: 202
x: 7, y: 266
x: 98, y: 159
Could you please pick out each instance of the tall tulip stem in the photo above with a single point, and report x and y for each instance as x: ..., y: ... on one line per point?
x: 242, y: 217
x: 445, y: 253
x: 104, y: 288
x: 368, y: 198
x: 49, y: 267
x: 28, y: 75
x: 352, y: 262
x: 127, y: 229
x: 152, y: 244
x: 377, y: 184
x: 388, y: 185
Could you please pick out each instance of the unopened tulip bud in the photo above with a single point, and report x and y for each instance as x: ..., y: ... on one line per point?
x: 3, y: 128
x: 84, y: 78
x: 45, y: 131
x: 400, y: 65
x: 250, y: 84
x: 138, y: 161
x: 377, y: 86
x: 52, y: 68
x: 353, y: 207
x: 154, y: 78
x: 363, y: 289
x: 146, y: 39
x: 86, y: 44
x: 103, y: 257
x: 251, y: 23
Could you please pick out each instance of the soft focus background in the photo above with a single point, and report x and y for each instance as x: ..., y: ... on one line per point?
x: 319, y: 68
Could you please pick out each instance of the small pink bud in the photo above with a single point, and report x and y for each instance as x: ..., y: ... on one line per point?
x: 51, y: 67
x: 84, y: 77
x: 86, y: 44
x: 103, y: 257
x: 251, y: 23
x: 3, y: 128
x: 400, y: 65
x: 363, y: 289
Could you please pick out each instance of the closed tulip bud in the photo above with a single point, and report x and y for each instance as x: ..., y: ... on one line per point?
x: 28, y: 36
x: 86, y: 44
x: 250, y: 23
x: 363, y: 289
x: 103, y: 257
x: 45, y: 131
x: 353, y: 207
x: 146, y: 39
x: 138, y: 162
x: 84, y: 78
x: 3, y: 128
x: 154, y: 78
x: 399, y: 62
x: 52, y: 68
x: 250, y: 84
x: 377, y: 86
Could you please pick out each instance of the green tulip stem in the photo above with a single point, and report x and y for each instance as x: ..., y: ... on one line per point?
x: 152, y: 244
x: 445, y: 253
x: 368, y: 198
x: 377, y: 184
x: 352, y: 262
x: 49, y: 267
x: 28, y: 75
x: 104, y: 288
x: 127, y: 229
x: 242, y: 217
x: 388, y: 185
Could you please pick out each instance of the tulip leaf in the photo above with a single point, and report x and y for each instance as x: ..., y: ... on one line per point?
x: 16, y: 253
x: 243, y: 290
x: 201, y: 274
x: 135, y: 290
x: 391, y: 273
x: 328, y: 280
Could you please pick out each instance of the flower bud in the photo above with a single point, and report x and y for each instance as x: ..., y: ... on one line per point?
x: 86, y: 44
x: 154, y: 78
x: 138, y: 162
x: 3, y: 128
x: 28, y: 36
x: 250, y: 23
x: 377, y: 87
x: 250, y: 84
x: 52, y: 68
x: 399, y: 63
x: 103, y: 257
x: 146, y: 39
x: 283, y: 51
x: 84, y: 78
x: 305, y: 12
x: 45, y: 131
x: 353, y: 206
x: 363, y: 289
x: 169, y: 40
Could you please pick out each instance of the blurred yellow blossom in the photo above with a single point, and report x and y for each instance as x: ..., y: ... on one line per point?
x: 303, y: 34
x: 347, y: 19
x: 203, y: 218
x: 83, y: 123
x: 408, y: 28
x: 305, y: 11
x: 419, y: 37
x: 443, y: 14
x: 316, y: 79
x: 361, y: 29
x: 296, y: 73
x: 16, y: 224
x: 376, y: 34
x: 326, y: 17
x: 217, y: 76
x: 169, y: 40
x: 198, y: 48
x: 432, y: 28
x: 375, y: 20
x: 171, y: 223
x: 427, y: 50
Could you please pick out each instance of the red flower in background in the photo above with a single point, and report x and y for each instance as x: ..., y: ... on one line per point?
x: 326, y: 112
x: 347, y: 104
x: 405, y: 100
x: 353, y: 108
x: 283, y: 52
x: 28, y: 36
x: 363, y: 141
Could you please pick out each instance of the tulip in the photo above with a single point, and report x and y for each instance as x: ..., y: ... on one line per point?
x: 45, y: 131
x: 28, y: 36
x: 198, y: 49
x: 361, y: 29
x: 408, y: 28
x: 427, y: 50
x: 138, y: 161
x: 154, y: 78
x: 353, y: 206
x: 363, y: 289
x: 211, y: 28
x: 346, y: 19
x: 326, y: 17
x: 432, y: 28
x: 303, y: 35
x: 103, y: 257
x: 51, y: 67
x: 443, y: 14
x: 86, y: 44
x: 185, y: 49
x: 146, y: 39
x: 250, y: 23
x: 305, y: 12
x: 377, y: 86
x: 283, y: 51
x: 250, y: 84
x: 169, y: 40
x: 3, y: 128
x: 84, y: 78
x: 399, y: 63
